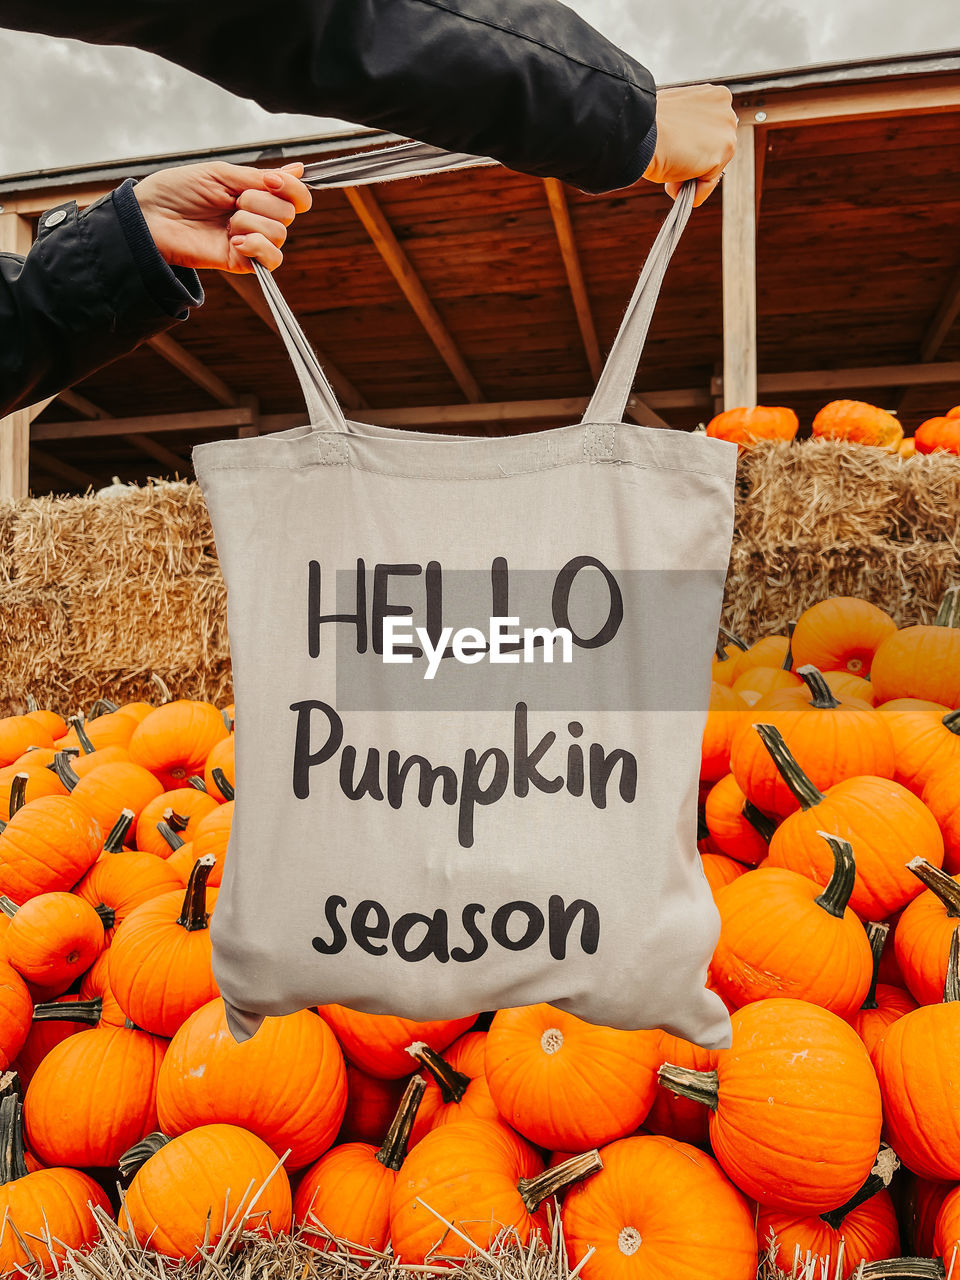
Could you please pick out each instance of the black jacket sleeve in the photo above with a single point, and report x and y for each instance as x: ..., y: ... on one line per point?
x: 92, y: 287
x: 527, y: 82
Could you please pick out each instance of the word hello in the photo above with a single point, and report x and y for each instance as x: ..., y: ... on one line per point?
x: 415, y: 936
x: 470, y: 645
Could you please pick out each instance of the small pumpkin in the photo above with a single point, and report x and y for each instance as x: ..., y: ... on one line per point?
x: 174, y: 741
x: 16, y: 1013
x: 923, y: 661
x: 921, y: 1208
x: 769, y: 651
x: 883, y: 1004
x: 839, y: 1241
x: 847, y: 687
x: 841, y: 633
x: 720, y: 870
x: 924, y: 930
x: 54, y: 938
x: 722, y: 717
x: 926, y: 739
x: 858, y: 423
x: 724, y: 666
x: 121, y: 881
x: 17, y: 733
x: 378, y: 1043
x: 760, y: 682
x: 112, y: 730
x: 746, y: 426
x: 183, y: 809
x: 736, y: 826
x: 36, y: 782
x: 221, y: 761
x: 52, y: 1022
x: 107, y: 791
x: 941, y: 795
x: 95, y: 985
x: 671, y: 1115
x: 52, y: 721
x: 938, y: 435
x: 47, y: 846
x: 456, y: 1086
x: 371, y: 1105
x: 211, y: 837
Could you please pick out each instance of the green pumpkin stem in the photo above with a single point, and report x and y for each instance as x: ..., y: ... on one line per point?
x: 8, y: 906
x: 108, y: 917
x: 938, y: 882
x: 951, y: 988
x: 224, y: 784
x: 764, y: 826
x: 823, y: 699
x: 12, y: 1162
x: 731, y: 637
x: 802, y: 789
x: 951, y: 721
x: 102, y: 706
x: 227, y: 720
x: 65, y: 770
x: 836, y: 895
x: 87, y: 1011
x: 119, y: 831
x: 394, y: 1150
x: 173, y: 838
x: 194, y: 915
x: 903, y: 1269
x: 788, y: 656
x: 136, y: 1156
x: 533, y: 1191
x: 18, y: 793
x: 175, y: 821
x: 197, y: 783
x: 948, y: 615
x: 879, y: 1178
x: 453, y: 1083
x: 76, y: 724
x: 698, y: 1086
x: 877, y: 937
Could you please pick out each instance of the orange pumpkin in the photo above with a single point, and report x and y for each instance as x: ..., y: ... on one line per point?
x: 724, y: 665
x: 123, y: 881
x: 52, y: 1022
x: 378, y: 1043
x: 46, y: 846
x: 938, y: 435
x: 83, y: 764
x: 159, y: 967
x: 635, y: 1218
x: 866, y: 1233
x: 720, y: 870
x: 926, y: 739
x: 924, y: 931
x: 759, y: 682
x: 923, y: 661
x: 107, y: 791
x: 770, y: 651
x: 221, y: 761
x: 371, y: 1105
x: 17, y: 733
x: 841, y: 634
x: 174, y: 741
x: 847, y: 687
x: 193, y: 1187
x: 671, y: 1115
x: 859, y: 423
x: 189, y: 807
x: 211, y: 837
x: 884, y: 1004
x: 922, y: 1204
x: 722, y: 716
x: 36, y: 783
x: 941, y: 795
x: 53, y: 938
x: 566, y: 1084
x: 54, y: 723
x: 456, y: 1087
x: 736, y: 826
x: 783, y: 935
x: 113, y: 730
x: 16, y: 1012
x: 95, y: 985
x: 746, y: 426
x: 348, y: 1190
x: 287, y: 1084
x: 795, y: 1076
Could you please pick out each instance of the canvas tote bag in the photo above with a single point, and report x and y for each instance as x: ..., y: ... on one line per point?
x: 471, y: 676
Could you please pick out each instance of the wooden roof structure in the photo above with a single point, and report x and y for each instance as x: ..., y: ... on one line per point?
x: 483, y: 301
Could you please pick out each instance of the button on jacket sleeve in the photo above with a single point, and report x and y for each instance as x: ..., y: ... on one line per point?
x: 525, y: 81
x: 92, y: 287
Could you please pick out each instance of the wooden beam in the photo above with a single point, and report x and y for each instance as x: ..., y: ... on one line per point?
x: 849, y: 102
x: 761, y: 147
x: 16, y: 236
x: 208, y: 420
x: 81, y: 404
x: 943, y: 320
x: 248, y: 289
x: 34, y: 203
x: 192, y: 368
x: 160, y: 453
x: 740, y: 275
x: 55, y: 466
x: 365, y: 206
x: 889, y: 375
x: 560, y: 213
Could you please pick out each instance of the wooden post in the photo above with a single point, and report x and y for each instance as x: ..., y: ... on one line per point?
x: 740, y: 275
x: 16, y: 236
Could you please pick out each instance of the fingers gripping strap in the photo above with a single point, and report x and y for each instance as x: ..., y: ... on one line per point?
x: 616, y: 381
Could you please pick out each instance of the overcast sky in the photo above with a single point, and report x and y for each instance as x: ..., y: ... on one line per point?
x: 64, y: 103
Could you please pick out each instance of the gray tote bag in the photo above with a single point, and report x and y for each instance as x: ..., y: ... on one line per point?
x: 472, y: 676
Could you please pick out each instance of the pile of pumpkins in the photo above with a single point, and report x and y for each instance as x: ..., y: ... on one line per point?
x: 830, y: 838
x: 852, y: 421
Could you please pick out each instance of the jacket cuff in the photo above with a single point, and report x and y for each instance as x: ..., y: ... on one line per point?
x: 174, y: 289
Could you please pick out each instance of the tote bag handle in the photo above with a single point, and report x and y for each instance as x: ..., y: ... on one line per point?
x: 413, y: 159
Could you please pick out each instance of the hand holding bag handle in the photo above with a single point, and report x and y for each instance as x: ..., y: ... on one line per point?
x: 412, y: 159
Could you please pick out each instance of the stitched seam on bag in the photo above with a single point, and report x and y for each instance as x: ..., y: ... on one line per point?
x: 505, y: 475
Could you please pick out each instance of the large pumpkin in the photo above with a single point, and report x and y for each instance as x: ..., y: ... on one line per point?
x: 858, y: 423
x: 47, y: 845
x: 795, y: 1078
x: 923, y: 661
x: 841, y: 633
x: 567, y: 1084
x: 782, y: 934
x: 378, y: 1043
x: 658, y: 1208
x: 287, y: 1084
x: 124, y: 881
x: 107, y: 791
x: 195, y: 1185
x: 174, y: 741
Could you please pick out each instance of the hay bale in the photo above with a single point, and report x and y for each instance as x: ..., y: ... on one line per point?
x: 34, y: 636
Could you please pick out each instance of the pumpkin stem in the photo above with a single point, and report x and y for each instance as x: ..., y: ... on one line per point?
x: 88, y: 1011
x: 8, y: 906
x: 880, y: 1176
x: 102, y: 706
x: 698, y: 1086
x: 394, y: 1150
x: 227, y: 720
x: 453, y: 1083
x: 32, y: 704
x: 945, y: 887
x: 119, y: 831
x: 138, y: 1155
x: 951, y: 721
x: 76, y: 724
x: 764, y: 826
x: 951, y: 988
x: 533, y: 1191
x: 194, y: 915
x: 173, y: 839
x: 165, y: 694
x: 108, y: 917
x: 175, y: 820
x: 224, y: 784
x: 836, y: 895
x: 731, y: 637
x: 65, y: 770
x: 948, y: 615
x: 197, y: 783
x: 800, y: 785
x: 788, y: 656
x: 904, y: 1269
x: 18, y: 792
x: 703, y: 831
x: 823, y: 699
x: 12, y: 1163
x: 877, y: 935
